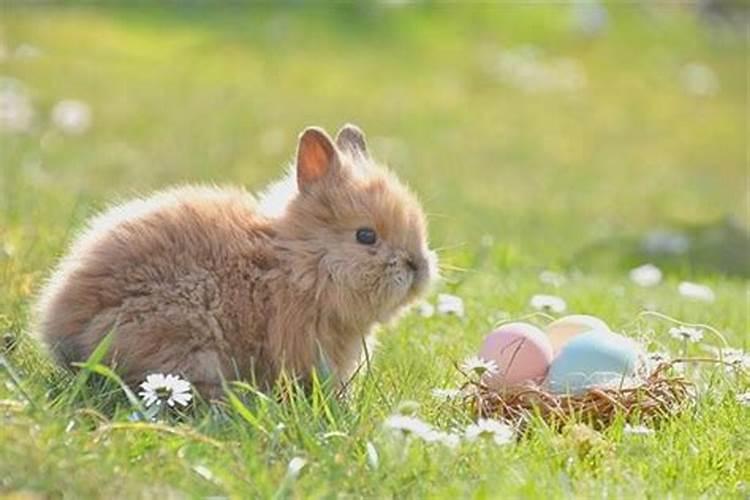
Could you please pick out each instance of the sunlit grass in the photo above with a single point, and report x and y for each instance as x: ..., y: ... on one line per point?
x: 515, y: 183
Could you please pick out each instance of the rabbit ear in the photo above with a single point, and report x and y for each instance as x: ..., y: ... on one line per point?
x: 316, y: 157
x: 351, y: 138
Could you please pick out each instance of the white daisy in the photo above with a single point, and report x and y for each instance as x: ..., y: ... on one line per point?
x: 445, y: 394
x: 699, y: 79
x: 736, y: 358
x: 159, y: 388
x: 450, y: 304
x: 71, y: 116
x: 744, y: 399
x: 499, y: 432
x: 639, y: 430
x: 16, y: 110
x: 479, y: 366
x: 425, y: 309
x: 27, y: 51
x: 408, y: 425
x: 551, y: 303
x: 415, y: 427
x: 448, y: 439
x: 646, y: 275
x: 696, y: 292
x: 686, y: 333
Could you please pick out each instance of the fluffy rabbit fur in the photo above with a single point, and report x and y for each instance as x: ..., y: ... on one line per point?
x: 202, y: 282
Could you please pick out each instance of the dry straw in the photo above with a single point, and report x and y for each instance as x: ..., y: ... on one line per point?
x: 660, y: 396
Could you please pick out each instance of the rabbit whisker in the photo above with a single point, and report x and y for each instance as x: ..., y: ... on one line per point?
x: 449, y: 267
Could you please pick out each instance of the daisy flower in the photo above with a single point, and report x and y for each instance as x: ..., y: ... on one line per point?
x: 696, y: 292
x: 71, y: 116
x: 408, y: 425
x: 448, y: 439
x: 736, y: 358
x: 638, y: 430
x: 744, y: 399
x: 450, y: 304
x: 16, y: 110
x: 159, y: 388
x: 646, y: 275
x: 699, y: 79
x: 415, y: 427
x: 499, y: 432
x: 686, y: 333
x: 425, y: 309
x: 27, y: 51
x: 551, y: 303
x: 479, y: 366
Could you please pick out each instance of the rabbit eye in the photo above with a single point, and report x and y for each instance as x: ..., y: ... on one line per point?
x: 366, y: 236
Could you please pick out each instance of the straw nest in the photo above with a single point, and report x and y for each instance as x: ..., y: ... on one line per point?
x: 661, y: 395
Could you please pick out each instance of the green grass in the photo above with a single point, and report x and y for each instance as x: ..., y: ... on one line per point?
x: 569, y: 181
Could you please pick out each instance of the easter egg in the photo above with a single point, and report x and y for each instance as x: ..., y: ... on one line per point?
x: 562, y: 330
x: 592, y: 359
x: 522, y: 352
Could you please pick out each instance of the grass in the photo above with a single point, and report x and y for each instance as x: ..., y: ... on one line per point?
x: 515, y: 183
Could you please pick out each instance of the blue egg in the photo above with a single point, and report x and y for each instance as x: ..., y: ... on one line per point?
x: 592, y: 359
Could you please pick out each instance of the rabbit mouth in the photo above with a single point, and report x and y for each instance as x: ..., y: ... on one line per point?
x: 409, y: 284
x: 399, y: 284
x: 406, y: 278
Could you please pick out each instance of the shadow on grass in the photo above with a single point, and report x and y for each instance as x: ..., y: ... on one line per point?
x: 721, y: 247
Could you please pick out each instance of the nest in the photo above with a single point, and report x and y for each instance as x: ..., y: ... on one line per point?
x: 660, y: 396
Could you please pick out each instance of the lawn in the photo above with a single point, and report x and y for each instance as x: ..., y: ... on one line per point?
x: 537, y: 141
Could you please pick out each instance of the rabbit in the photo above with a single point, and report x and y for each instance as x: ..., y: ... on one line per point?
x: 216, y: 285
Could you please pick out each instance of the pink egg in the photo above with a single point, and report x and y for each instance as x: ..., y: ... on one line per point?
x: 522, y: 352
x: 562, y: 330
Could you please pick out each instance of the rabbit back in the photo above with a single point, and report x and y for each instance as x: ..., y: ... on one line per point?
x: 180, y: 279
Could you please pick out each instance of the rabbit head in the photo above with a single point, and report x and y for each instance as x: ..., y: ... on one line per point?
x: 358, y: 235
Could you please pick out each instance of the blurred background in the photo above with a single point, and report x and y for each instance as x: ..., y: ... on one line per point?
x: 594, y: 136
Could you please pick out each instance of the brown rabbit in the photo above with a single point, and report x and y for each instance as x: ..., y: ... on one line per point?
x: 208, y: 283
